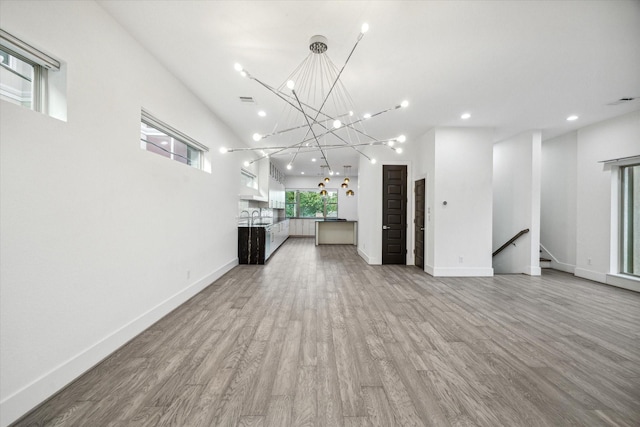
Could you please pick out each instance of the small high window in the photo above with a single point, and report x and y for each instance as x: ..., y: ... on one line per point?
x: 160, y: 138
x: 24, y: 74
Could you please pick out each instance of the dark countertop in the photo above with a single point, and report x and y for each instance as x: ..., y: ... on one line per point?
x: 261, y: 223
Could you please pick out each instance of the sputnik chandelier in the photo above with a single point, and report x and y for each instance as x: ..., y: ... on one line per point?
x: 318, y: 113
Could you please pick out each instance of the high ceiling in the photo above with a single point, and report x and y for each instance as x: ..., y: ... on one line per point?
x: 512, y: 65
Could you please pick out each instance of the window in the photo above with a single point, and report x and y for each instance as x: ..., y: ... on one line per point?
x: 247, y: 179
x: 24, y: 73
x: 310, y: 204
x: 630, y: 220
x: 160, y: 138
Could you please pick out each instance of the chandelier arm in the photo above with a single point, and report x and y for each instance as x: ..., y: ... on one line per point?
x: 309, y: 149
x: 310, y: 129
x: 338, y: 76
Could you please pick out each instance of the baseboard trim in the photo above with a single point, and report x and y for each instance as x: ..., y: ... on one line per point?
x: 29, y: 397
x: 567, y: 268
x: 533, y: 271
x: 459, y: 272
x: 591, y: 275
x: 623, y: 282
x: 368, y: 259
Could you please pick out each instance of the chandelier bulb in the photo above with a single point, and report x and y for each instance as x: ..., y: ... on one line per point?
x: 367, y: 116
x: 402, y: 138
x: 257, y: 137
x: 399, y: 150
x: 237, y: 67
x: 291, y: 84
x: 337, y: 124
x: 390, y: 143
x: 373, y: 161
x: 404, y: 104
x: 243, y: 73
x: 365, y: 28
x: 224, y: 150
x: 246, y: 164
x: 289, y: 166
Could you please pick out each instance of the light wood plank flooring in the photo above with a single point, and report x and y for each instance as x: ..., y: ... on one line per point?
x: 318, y: 337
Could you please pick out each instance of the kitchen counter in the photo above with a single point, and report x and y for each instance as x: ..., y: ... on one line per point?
x: 336, y: 232
x: 262, y: 223
x: 257, y: 241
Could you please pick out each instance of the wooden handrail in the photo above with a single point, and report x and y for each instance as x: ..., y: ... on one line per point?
x: 513, y: 239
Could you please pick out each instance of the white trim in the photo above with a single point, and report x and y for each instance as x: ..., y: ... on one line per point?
x: 32, y: 395
x: 623, y: 161
x: 596, y: 276
x: 368, y: 259
x: 24, y: 49
x: 151, y: 120
x: 533, y: 270
x: 459, y: 272
x: 567, y: 268
x: 624, y: 282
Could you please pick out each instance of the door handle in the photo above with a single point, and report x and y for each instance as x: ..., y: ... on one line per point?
x: 384, y: 227
x: 421, y: 228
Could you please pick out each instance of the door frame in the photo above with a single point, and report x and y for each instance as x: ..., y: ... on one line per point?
x: 410, y: 210
x: 413, y: 222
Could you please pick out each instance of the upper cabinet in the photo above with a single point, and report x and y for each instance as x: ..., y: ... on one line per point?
x: 276, y: 187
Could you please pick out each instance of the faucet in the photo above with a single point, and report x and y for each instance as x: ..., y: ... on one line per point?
x: 244, y: 211
x: 252, y: 216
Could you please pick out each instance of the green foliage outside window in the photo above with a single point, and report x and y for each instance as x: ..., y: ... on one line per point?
x: 310, y: 204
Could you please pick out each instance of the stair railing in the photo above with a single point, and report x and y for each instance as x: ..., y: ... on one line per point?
x: 510, y: 241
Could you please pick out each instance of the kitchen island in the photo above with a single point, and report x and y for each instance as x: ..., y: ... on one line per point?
x: 336, y: 232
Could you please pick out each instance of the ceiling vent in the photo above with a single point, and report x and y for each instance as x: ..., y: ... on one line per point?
x: 623, y: 100
x: 247, y: 100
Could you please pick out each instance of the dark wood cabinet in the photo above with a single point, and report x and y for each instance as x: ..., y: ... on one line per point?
x: 251, y: 245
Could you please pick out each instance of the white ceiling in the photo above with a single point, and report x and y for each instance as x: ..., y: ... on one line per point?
x: 513, y: 65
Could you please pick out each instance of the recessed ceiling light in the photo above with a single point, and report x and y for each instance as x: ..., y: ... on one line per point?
x: 262, y: 113
x: 572, y: 118
x: 465, y: 116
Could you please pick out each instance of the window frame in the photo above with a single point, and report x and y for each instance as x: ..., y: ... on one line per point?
x: 152, y: 121
x: 625, y: 234
x: 296, y: 203
x: 38, y: 101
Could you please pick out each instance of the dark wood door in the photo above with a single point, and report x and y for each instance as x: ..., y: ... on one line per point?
x: 419, y: 222
x: 394, y: 214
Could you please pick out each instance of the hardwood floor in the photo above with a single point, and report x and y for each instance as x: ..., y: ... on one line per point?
x: 318, y: 337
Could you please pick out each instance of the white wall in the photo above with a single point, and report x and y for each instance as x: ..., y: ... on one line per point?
x: 370, y: 200
x: 459, y: 233
x: 615, y: 138
x: 516, y: 203
x: 456, y: 163
x: 99, y: 238
x: 347, y: 206
x: 558, y: 213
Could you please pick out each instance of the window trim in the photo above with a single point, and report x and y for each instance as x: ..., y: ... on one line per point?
x: 151, y: 120
x: 312, y: 190
x: 621, y: 216
x: 28, y: 52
